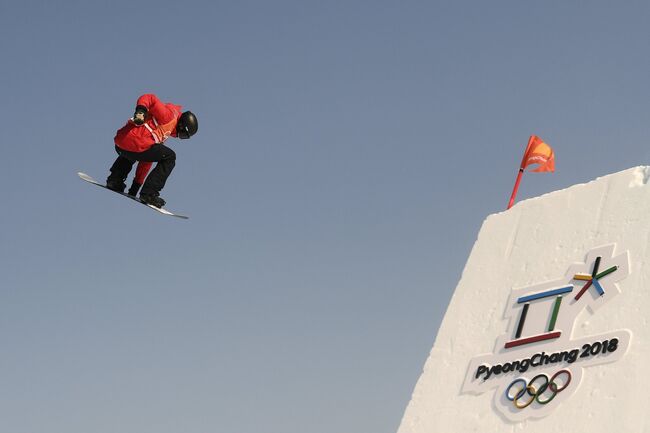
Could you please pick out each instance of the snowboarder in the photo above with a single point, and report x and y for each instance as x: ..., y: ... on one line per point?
x: 141, y: 139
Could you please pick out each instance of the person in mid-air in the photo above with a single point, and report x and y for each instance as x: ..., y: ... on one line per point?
x: 141, y: 139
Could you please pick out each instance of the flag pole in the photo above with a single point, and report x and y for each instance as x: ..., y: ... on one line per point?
x: 521, y: 172
x: 514, y: 190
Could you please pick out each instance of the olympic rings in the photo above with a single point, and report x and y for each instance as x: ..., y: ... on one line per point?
x: 568, y: 380
x: 520, y: 393
x: 534, y: 392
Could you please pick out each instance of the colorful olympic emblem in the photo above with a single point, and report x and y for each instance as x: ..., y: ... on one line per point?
x: 534, y: 392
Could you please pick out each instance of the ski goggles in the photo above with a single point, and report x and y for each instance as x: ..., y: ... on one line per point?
x: 183, y: 132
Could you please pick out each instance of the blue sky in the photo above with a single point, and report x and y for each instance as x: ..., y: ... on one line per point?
x: 347, y: 155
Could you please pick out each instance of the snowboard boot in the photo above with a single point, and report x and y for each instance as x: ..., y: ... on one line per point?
x: 135, y: 187
x: 115, y: 185
x: 152, y: 199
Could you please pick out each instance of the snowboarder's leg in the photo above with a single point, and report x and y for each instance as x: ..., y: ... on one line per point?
x: 119, y: 171
x: 166, y: 161
x: 159, y: 153
x: 140, y: 176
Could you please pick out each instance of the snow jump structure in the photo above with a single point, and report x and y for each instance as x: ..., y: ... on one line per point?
x: 547, y: 330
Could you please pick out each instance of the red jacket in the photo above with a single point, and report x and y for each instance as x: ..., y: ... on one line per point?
x: 160, y: 124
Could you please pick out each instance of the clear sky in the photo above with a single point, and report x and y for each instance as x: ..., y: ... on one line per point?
x: 347, y: 154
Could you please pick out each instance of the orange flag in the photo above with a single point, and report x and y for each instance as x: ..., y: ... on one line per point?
x: 537, y: 152
x: 540, y: 153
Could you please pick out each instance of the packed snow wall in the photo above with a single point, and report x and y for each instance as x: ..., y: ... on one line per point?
x: 547, y: 329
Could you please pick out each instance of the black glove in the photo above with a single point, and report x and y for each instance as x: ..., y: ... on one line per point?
x: 140, y: 114
x: 135, y: 187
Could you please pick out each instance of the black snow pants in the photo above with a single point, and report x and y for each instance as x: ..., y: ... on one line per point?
x: 159, y: 153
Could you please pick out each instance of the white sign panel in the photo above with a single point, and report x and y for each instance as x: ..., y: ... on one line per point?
x: 537, y: 364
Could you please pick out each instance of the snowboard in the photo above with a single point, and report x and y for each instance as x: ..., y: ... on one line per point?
x: 163, y: 211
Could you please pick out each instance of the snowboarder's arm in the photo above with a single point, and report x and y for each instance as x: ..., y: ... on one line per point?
x: 156, y: 108
x: 142, y: 171
x: 140, y: 176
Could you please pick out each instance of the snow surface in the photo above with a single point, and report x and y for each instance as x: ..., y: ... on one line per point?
x: 532, y: 243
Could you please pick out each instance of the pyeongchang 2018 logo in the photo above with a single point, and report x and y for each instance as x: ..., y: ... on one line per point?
x: 536, y: 365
